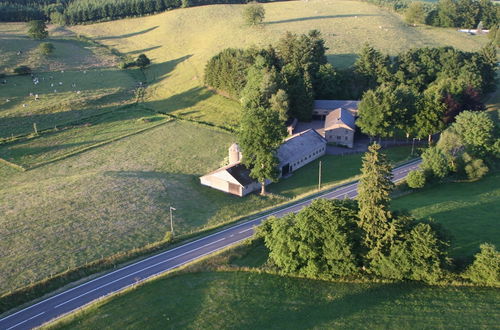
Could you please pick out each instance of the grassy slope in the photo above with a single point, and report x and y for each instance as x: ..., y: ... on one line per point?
x: 74, y: 67
x: 71, y: 211
x: 240, y: 300
x: 468, y: 210
x: 181, y: 41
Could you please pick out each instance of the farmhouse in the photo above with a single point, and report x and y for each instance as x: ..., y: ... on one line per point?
x: 339, y: 117
x: 295, y: 152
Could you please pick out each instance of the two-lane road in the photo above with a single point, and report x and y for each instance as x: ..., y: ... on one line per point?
x: 81, y: 295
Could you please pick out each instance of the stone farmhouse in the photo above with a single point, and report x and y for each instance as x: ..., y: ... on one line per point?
x: 295, y: 152
x: 338, y: 117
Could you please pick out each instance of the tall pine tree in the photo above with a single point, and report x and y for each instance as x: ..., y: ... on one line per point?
x: 374, y: 191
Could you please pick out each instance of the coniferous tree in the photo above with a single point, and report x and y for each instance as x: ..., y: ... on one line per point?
x: 374, y: 191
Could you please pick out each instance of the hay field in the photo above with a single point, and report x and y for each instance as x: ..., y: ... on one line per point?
x: 181, y: 41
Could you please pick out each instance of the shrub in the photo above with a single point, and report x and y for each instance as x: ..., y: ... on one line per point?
x: 474, y: 168
x: 416, y: 179
x: 434, y: 160
x: 418, y: 256
x: 126, y: 64
x: 142, y: 61
x: 37, y: 29
x: 22, y: 70
x: 253, y: 14
x: 486, y: 266
x: 46, y: 48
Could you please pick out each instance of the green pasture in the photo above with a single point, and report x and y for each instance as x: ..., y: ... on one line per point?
x: 334, y: 169
x: 247, y: 300
x: 65, y: 140
x: 468, y: 210
x: 180, y: 42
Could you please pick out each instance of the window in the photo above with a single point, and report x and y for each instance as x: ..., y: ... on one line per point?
x: 338, y: 137
x: 346, y: 138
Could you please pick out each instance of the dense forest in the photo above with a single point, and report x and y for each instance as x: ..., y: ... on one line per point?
x: 446, y: 13
x: 81, y: 11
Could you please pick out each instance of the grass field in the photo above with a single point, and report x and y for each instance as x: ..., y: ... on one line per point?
x: 180, y: 42
x: 246, y: 300
x: 468, y: 210
x: 72, y: 211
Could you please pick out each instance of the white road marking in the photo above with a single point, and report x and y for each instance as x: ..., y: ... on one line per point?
x: 140, y: 270
x: 31, y: 318
x: 241, y: 232
x: 257, y: 220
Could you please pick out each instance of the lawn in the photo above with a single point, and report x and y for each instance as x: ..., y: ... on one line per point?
x: 247, y: 300
x: 115, y: 197
x: 468, y: 210
x: 65, y: 140
x: 180, y: 42
x: 335, y: 169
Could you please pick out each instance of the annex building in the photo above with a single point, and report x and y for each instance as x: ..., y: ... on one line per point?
x: 339, y: 118
x: 295, y: 152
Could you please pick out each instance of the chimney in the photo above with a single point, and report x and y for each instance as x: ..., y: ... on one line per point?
x: 234, y: 153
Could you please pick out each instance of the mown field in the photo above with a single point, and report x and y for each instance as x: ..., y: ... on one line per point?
x: 246, y: 300
x: 468, y: 210
x: 71, y: 210
x: 180, y: 42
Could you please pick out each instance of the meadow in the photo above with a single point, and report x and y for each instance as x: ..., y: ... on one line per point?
x: 71, y: 206
x: 180, y: 42
x: 248, y: 300
x: 468, y: 210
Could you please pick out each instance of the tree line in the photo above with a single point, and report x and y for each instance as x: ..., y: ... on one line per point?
x: 365, y: 239
x: 82, y: 11
x: 467, y: 14
x: 297, y: 65
x: 420, y: 92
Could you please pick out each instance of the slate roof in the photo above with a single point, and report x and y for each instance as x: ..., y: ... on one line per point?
x: 335, y: 104
x: 338, y: 117
x: 299, y: 144
x: 240, y: 173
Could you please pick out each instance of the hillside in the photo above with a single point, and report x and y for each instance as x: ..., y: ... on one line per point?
x: 181, y: 41
x: 101, y: 177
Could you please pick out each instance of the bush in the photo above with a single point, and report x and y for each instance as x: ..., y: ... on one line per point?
x: 253, y: 14
x: 46, y: 48
x: 142, y: 61
x: 434, y: 160
x: 126, y: 64
x: 416, y: 179
x: 22, y: 70
x: 474, y: 168
x: 37, y: 29
x: 419, y: 256
x: 485, y: 269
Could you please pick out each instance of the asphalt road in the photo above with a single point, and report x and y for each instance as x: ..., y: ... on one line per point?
x: 81, y: 295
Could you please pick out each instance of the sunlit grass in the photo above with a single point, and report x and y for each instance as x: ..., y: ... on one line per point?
x: 180, y: 42
x: 241, y: 300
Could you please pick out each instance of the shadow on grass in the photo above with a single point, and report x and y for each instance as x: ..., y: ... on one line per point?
x: 157, y: 71
x: 135, y: 52
x: 180, y: 101
x: 128, y: 35
x: 311, y: 18
x: 342, y: 61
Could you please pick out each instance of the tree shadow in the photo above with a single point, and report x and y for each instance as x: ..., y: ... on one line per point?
x: 180, y: 101
x: 301, y: 19
x: 128, y: 35
x: 294, y: 303
x: 341, y: 61
x: 140, y: 51
x: 158, y: 71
